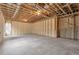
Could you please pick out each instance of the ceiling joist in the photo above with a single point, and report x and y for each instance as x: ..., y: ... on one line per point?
x: 60, y: 8
x: 29, y: 11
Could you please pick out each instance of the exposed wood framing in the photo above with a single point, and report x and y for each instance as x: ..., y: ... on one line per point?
x: 60, y: 8
x: 17, y: 10
x: 75, y: 32
x: 54, y: 8
x: 76, y: 13
x: 65, y: 6
x: 27, y: 10
x: 70, y: 8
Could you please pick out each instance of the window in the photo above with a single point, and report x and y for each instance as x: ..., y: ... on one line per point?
x: 7, y: 28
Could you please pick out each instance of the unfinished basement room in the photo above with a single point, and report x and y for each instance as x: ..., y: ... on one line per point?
x: 39, y: 29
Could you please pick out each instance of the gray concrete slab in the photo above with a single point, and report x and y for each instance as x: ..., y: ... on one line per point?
x: 38, y: 45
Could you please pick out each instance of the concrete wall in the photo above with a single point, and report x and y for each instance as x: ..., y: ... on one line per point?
x: 46, y: 27
x: 1, y: 26
x: 19, y: 28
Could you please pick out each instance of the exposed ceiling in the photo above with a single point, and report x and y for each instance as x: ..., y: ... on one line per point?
x: 31, y: 12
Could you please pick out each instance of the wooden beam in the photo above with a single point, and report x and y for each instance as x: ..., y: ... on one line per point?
x: 76, y: 13
x: 43, y: 9
x: 69, y: 8
x: 75, y: 29
x: 52, y: 11
x: 57, y: 27
x: 53, y: 8
x: 8, y: 6
x: 16, y: 11
x: 60, y: 8
x: 64, y: 6
x: 56, y: 9
x: 78, y: 5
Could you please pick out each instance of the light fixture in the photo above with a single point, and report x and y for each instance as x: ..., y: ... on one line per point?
x: 38, y: 12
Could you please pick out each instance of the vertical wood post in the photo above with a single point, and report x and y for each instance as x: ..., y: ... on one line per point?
x: 75, y: 32
x: 58, y: 31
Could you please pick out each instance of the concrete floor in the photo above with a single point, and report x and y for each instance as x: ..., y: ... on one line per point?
x: 38, y: 45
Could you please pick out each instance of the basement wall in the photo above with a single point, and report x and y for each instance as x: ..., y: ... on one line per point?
x: 67, y: 28
x: 48, y: 27
x: 77, y: 27
x: 20, y: 28
x: 1, y: 26
x: 45, y: 27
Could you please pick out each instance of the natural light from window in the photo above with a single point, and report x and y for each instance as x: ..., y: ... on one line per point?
x: 7, y: 28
